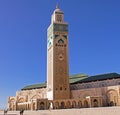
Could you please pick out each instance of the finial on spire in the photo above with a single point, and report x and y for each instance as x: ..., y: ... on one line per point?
x: 57, y: 6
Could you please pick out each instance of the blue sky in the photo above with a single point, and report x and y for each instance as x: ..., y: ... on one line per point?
x: 94, y: 40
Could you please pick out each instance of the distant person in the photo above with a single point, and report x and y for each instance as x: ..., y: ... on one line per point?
x: 51, y: 106
x: 5, y: 112
x: 21, y: 112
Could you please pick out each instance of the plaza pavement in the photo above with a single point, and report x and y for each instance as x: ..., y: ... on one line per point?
x: 82, y: 111
x: 8, y: 114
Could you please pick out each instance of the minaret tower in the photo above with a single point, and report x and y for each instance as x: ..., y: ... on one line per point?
x: 57, y: 57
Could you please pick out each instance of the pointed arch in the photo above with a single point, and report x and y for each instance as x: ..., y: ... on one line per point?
x: 68, y: 105
x: 42, y: 105
x: 56, y: 105
x: 79, y: 104
x: 36, y: 97
x: 95, y: 103
x: 12, y: 104
x: 112, y: 97
x: 20, y: 100
x: 61, y: 41
x: 86, y: 105
x: 62, y: 105
x: 74, y: 104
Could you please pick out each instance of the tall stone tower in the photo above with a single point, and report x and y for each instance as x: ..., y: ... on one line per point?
x: 57, y: 57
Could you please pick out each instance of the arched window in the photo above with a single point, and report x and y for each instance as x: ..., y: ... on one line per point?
x: 60, y: 41
x: 60, y: 88
x: 59, y: 18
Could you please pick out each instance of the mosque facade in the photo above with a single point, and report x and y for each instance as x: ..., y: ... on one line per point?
x: 62, y: 91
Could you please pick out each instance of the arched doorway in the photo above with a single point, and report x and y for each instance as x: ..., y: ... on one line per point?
x: 86, y: 105
x: 79, y: 104
x: 95, y: 103
x: 111, y: 103
x: 33, y: 106
x: 42, y: 106
x: 68, y: 104
x: 73, y: 104
x: 12, y: 104
x: 56, y: 105
x: 29, y: 106
x: 112, y: 97
x: 62, y: 105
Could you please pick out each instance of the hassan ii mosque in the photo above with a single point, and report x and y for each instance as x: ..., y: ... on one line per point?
x: 61, y: 90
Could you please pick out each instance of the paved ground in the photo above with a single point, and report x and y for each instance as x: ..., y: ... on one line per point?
x: 8, y: 114
x: 83, y: 111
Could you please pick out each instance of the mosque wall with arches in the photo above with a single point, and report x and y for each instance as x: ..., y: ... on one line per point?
x: 108, y: 90
x: 91, y: 94
x: 25, y: 99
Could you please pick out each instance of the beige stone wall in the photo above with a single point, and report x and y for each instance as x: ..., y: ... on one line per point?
x: 109, y: 94
x: 32, y: 94
x: 26, y: 96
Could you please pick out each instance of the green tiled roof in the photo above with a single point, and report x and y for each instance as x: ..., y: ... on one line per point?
x: 34, y: 86
x: 99, y: 77
x: 78, y: 78
x: 73, y: 78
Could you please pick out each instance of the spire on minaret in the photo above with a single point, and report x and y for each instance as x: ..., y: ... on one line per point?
x: 58, y: 15
x: 57, y: 6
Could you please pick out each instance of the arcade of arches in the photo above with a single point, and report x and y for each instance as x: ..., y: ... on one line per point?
x: 80, y: 98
